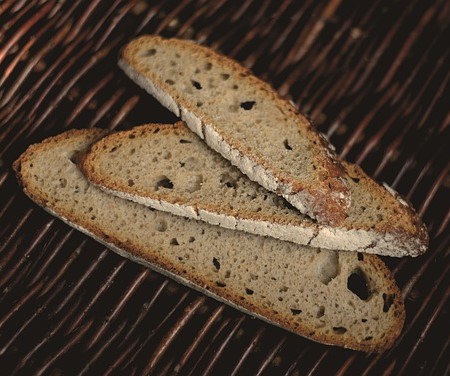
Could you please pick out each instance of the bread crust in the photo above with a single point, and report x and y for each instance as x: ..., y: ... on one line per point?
x: 378, y: 275
x: 326, y: 199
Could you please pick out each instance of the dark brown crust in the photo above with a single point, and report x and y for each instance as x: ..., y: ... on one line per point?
x: 323, y: 206
x: 149, y: 259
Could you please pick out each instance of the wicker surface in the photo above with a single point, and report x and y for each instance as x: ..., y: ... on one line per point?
x: 374, y: 78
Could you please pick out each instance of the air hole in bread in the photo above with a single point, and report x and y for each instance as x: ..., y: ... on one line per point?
x: 208, y: 66
x: 199, y: 104
x: 182, y: 141
x: 196, y: 84
x: 150, y: 52
x: 224, y: 76
x: 167, y: 154
x: 252, y: 196
x: 339, y: 329
x: 249, y: 291
x: 73, y: 158
x: 360, y: 256
x: 286, y: 145
x: 247, y: 105
x: 320, y: 312
x: 130, y: 182
x: 368, y: 338
x: 131, y: 136
x: 194, y: 183
x: 295, y: 311
x: 62, y: 182
x: 161, y: 226
x: 174, y: 241
x: 216, y: 263
x: 328, y: 267
x: 172, y: 63
x: 388, y: 300
x: 235, y: 87
x: 227, y: 180
x: 356, y: 180
x: 191, y: 239
x: 358, y: 285
x: 220, y: 284
x: 363, y: 320
x: 164, y: 182
x: 170, y: 82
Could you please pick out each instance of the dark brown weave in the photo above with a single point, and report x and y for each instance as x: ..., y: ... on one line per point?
x: 373, y: 76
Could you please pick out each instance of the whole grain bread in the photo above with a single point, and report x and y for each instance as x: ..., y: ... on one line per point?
x: 338, y: 298
x: 245, y: 120
x: 169, y: 168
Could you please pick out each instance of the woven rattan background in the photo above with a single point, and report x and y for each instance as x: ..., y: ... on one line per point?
x: 372, y: 75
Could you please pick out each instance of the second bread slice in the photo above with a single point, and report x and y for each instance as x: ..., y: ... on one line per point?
x: 169, y: 168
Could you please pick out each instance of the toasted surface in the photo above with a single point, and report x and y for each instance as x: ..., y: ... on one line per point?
x: 306, y: 292
x: 171, y: 169
x: 242, y: 118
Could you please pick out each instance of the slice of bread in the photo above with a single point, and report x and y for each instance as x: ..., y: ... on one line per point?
x: 244, y: 119
x: 169, y: 168
x: 338, y: 298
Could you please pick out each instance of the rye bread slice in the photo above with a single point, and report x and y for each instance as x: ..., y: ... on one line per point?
x: 307, y: 292
x: 169, y: 168
x: 245, y: 120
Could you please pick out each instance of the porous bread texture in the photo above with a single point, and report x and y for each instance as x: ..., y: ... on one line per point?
x: 169, y: 168
x: 305, y: 292
x: 242, y: 118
